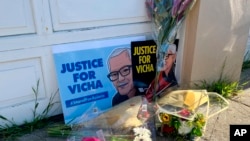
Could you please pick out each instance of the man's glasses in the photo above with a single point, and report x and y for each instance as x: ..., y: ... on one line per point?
x: 167, y: 56
x: 124, y: 71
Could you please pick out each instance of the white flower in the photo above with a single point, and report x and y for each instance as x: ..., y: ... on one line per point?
x: 142, y: 134
x: 142, y: 138
x: 185, y: 128
x: 142, y: 131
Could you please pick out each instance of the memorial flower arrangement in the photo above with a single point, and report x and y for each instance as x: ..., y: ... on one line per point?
x: 182, y: 114
x: 173, y: 115
x: 179, y: 128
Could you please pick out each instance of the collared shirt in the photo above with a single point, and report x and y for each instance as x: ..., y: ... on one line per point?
x: 117, y: 99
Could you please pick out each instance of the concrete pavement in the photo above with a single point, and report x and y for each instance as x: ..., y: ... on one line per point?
x: 238, y: 113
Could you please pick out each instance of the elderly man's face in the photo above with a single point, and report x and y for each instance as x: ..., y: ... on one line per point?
x: 122, y: 64
x: 169, y: 60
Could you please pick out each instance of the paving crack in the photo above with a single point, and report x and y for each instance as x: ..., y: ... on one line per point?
x: 213, y: 129
x: 240, y: 102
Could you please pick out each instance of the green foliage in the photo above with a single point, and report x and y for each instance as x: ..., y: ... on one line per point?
x: 11, y: 130
x: 59, y: 130
x: 224, y: 87
x: 198, y: 123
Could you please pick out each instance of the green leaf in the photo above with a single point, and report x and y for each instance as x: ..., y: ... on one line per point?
x: 2, y: 117
x: 197, y: 131
x: 177, y: 124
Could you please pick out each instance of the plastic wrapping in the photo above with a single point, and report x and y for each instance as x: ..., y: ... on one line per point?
x: 167, y: 17
x: 130, y: 120
x: 179, y: 114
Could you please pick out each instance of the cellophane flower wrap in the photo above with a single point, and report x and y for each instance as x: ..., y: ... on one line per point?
x: 180, y: 115
x: 167, y: 17
x: 132, y: 120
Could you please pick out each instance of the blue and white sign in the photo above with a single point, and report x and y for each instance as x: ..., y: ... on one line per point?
x: 82, y: 69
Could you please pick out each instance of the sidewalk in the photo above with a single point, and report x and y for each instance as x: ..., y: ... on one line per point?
x: 217, y: 126
x: 238, y: 113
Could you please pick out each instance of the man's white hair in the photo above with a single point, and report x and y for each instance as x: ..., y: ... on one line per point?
x: 117, y: 52
x: 172, y: 48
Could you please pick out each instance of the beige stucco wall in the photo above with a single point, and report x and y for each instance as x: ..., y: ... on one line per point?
x: 216, y: 31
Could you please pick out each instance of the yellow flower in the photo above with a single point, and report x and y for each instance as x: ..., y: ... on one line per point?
x: 165, y: 118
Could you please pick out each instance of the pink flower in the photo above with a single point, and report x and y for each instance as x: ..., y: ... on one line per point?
x: 150, y: 7
x: 90, y: 139
x: 184, y: 5
x: 175, y: 7
x: 184, y: 112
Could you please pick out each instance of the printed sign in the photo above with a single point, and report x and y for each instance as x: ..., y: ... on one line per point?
x: 84, y: 76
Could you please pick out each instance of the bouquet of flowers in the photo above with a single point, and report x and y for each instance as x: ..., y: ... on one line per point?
x: 181, y: 129
x: 182, y: 114
x: 167, y: 17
